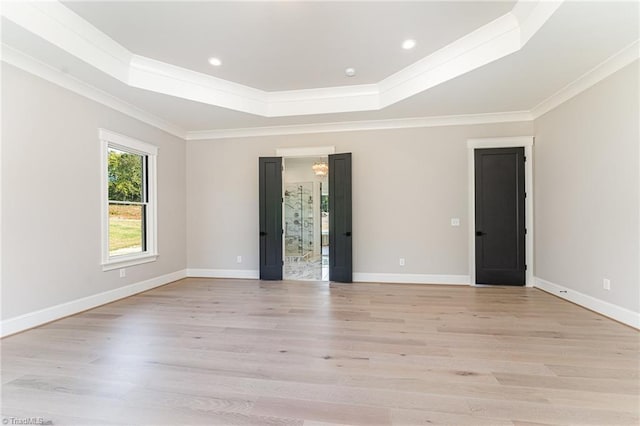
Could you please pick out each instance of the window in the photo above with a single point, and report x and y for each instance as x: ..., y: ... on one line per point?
x: 129, y: 201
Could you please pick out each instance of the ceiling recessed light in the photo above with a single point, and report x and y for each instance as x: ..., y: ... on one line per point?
x: 408, y: 44
x: 215, y: 62
x: 350, y: 72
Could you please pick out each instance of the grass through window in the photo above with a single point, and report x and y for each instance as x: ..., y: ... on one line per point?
x: 125, y: 229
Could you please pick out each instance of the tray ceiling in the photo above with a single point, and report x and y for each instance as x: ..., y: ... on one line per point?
x: 574, y: 39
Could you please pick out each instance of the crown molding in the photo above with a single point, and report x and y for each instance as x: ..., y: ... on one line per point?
x: 361, y: 97
x: 531, y: 16
x: 352, y: 126
x: 590, y: 78
x: 156, y: 76
x: 59, y: 25
x: 614, y: 63
x: 486, y: 44
x: 611, y: 65
x: 31, y: 65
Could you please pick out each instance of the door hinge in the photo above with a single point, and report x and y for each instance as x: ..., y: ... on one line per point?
x: 282, y: 200
x: 525, y: 158
x: 525, y: 267
x: 283, y: 263
x: 525, y: 231
x: 282, y: 231
x: 525, y: 195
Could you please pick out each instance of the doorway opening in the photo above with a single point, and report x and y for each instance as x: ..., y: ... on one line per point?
x: 306, y: 218
x: 478, y: 236
x: 500, y: 216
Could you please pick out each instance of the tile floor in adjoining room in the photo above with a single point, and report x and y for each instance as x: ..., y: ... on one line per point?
x: 307, y: 270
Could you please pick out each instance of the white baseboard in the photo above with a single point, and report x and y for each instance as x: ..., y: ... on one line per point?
x: 34, y: 319
x: 248, y: 274
x: 357, y: 276
x: 411, y: 278
x: 607, y: 309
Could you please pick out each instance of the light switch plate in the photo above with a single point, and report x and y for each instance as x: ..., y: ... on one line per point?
x: 455, y: 221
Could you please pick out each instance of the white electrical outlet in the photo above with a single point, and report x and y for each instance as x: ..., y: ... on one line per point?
x: 402, y: 261
x: 238, y: 259
x: 455, y: 221
x: 606, y: 284
x: 123, y: 273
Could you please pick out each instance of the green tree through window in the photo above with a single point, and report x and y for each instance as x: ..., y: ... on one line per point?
x: 125, y: 176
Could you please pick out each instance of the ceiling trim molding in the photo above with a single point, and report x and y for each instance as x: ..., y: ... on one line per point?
x: 612, y: 64
x: 352, y: 126
x: 26, y: 63
x: 59, y: 25
x: 531, y: 16
x: 156, y: 76
x: 486, y: 44
x: 53, y: 75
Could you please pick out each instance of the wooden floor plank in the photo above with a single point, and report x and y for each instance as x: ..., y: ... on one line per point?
x: 246, y: 352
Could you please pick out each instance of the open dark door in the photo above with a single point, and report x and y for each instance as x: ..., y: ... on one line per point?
x: 500, y: 221
x: 270, y: 205
x: 340, y: 242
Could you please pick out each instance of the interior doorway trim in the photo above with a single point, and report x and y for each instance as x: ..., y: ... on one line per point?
x: 311, y: 151
x: 300, y: 152
x: 507, y: 142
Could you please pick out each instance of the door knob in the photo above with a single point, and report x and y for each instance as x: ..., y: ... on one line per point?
x: 479, y: 233
x: 347, y: 234
x: 262, y: 233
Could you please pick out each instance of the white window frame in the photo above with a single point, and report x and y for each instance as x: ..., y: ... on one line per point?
x: 109, y: 139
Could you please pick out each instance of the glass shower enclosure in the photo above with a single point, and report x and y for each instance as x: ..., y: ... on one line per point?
x: 299, y: 221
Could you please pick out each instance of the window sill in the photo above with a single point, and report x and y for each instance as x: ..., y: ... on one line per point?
x: 126, y: 261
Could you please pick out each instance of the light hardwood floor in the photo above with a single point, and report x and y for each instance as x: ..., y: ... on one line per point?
x: 210, y: 351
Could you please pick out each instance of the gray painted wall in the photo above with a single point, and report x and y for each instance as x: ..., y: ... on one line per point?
x: 51, y: 196
x: 407, y: 185
x: 587, y: 191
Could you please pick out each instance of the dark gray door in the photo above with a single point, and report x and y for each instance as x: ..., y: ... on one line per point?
x: 340, y: 242
x: 500, y: 221
x: 270, y: 205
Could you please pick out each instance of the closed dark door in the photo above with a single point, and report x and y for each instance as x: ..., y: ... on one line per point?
x: 270, y: 205
x: 340, y: 241
x: 500, y: 222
